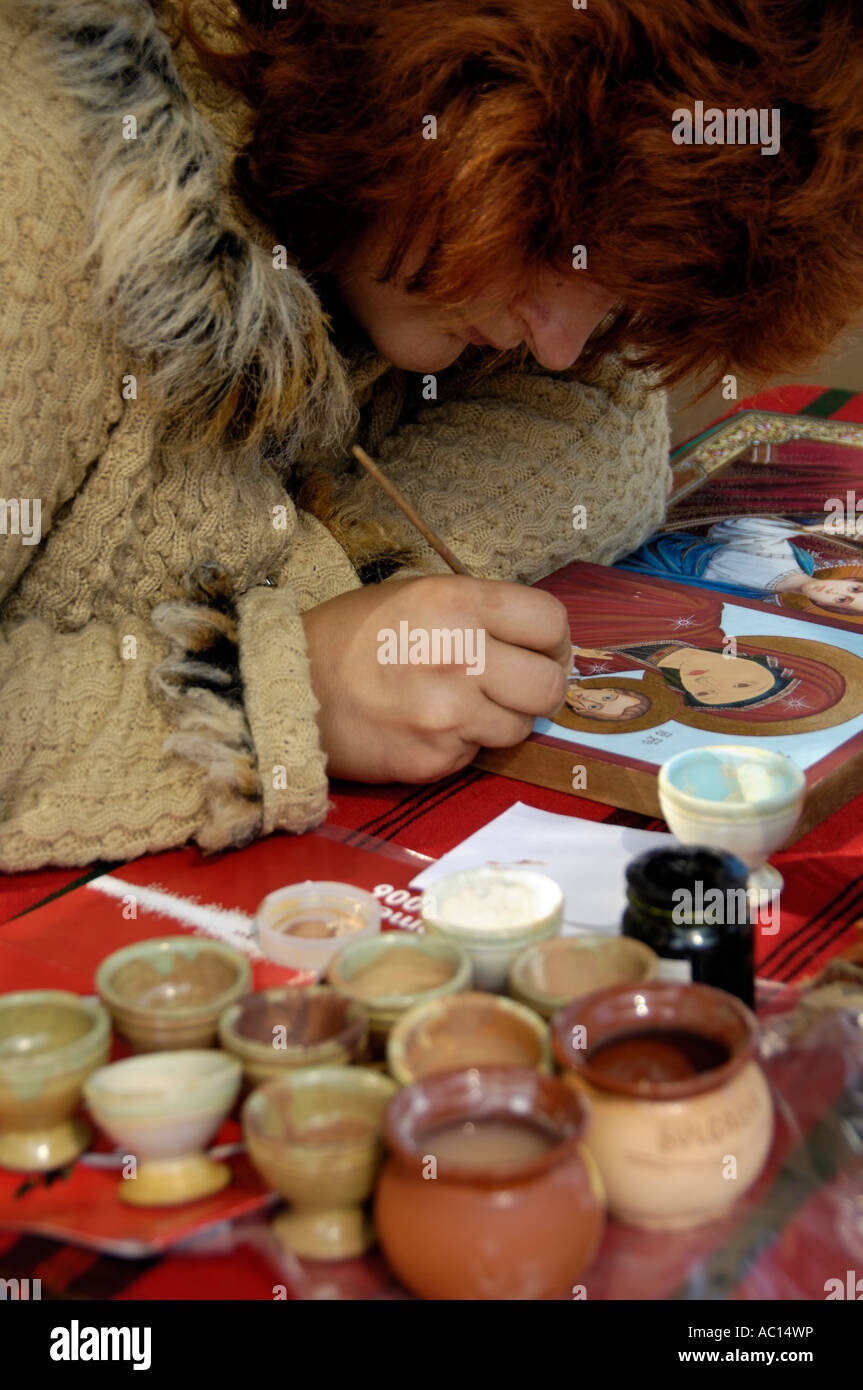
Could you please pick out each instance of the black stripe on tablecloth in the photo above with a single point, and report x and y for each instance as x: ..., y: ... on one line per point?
x: 388, y: 823
x: 841, y: 909
x: 106, y: 1277
x: 109, y: 1276
x: 23, y: 1258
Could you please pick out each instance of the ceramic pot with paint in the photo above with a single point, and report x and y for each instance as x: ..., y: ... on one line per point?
x: 466, y: 1030
x: 394, y: 971
x: 279, y: 1030
x: 163, y: 1108
x: 682, y: 1117
x: 493, y: 914
x: 550, y: 974
x: 50, y: 1042
x: 314, y: 1136
x: 489, y: 1192
x: 167, y: 993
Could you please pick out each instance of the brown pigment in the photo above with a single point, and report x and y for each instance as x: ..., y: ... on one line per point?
x: 657, y: 1055
x: 400, y: 972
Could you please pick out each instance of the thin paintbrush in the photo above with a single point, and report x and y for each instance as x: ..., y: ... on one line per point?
x: 404, y: 505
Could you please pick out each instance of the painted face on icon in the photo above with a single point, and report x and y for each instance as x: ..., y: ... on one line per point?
x: 712, y: 678
x: 842, y: 595
x: 601, y: 702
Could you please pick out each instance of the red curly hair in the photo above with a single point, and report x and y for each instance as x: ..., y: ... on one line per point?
x: 554, y: 129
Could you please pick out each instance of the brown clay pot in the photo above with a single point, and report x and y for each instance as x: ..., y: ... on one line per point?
x: 677, y: 1139
x: 522, y: 1230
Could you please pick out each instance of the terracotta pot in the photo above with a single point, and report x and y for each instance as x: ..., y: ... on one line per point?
x: 672, y: 1152
x: 520, y: 1230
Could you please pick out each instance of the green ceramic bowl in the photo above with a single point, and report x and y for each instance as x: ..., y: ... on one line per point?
x: 50, y: 1042
x: 466, y: 1030
x: 167, y: 994
x: 549, y: 975
x: 315, y: 1137
x: 424, y: 956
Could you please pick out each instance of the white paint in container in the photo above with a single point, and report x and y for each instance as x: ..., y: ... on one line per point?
x: 493, y: 914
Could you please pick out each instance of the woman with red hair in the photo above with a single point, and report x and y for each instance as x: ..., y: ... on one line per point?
x: 238, y: 238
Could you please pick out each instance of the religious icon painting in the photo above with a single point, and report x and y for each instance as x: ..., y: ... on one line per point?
x: 660, y: 666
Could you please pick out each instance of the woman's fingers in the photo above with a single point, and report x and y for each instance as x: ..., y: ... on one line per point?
x: 530, y: 683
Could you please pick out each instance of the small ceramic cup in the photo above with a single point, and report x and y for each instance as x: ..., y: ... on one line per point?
x: 394, y: 971
x: 304, y: 924
x: 50, y: 1042
x: 279, y: 1030
x: 483, y: 1223
x: 493, y: 914
x: 167, y: 993
x: 734, y: 797
x: 682, y: 1118
x: 314, y: 1136
x: 549, y: 975
x: 163, y: 1108
x: 466, y: 1030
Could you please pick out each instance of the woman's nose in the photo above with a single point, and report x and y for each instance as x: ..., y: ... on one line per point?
x: 559, y: 317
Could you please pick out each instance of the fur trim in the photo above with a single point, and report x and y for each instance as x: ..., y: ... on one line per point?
x: 375, y: 550
x: 240, y: 349
x: 201, y: 678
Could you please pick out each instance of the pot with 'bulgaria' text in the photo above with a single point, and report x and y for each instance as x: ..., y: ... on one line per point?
x: 682, y: 1117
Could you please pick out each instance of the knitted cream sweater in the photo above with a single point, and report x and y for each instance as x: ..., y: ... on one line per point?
x: 154, y: 683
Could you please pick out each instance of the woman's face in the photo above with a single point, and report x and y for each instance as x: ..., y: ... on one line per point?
x: 713, y: 678
x: 845, y: 595
x: 554, y: 318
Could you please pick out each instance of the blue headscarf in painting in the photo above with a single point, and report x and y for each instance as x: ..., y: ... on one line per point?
x: 686, y: 557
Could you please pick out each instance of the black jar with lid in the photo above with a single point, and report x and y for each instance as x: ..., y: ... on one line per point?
x: 690, y: 905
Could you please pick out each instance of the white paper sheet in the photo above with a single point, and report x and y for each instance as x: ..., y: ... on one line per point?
x: 587, y: 860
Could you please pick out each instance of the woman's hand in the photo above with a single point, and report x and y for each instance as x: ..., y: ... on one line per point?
x: 382, y: 722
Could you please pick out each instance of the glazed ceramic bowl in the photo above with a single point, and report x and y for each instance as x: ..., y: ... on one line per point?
x: 168, y: 993
x: 314, y: 1136
x: 682, y: 1117
x: 493, y: 914
x: 476, y: 1225
x: 50, y: 1042
x: 549, y: 975
x: 466, y: 1030
x: 278, y: 1030
x: 394, y: 971
x: 304, y: 924
x: 162, y: 1109
x: 739, y: 798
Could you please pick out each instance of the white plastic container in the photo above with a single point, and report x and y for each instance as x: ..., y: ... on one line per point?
x: 493, y: 914
x: 304, y: 924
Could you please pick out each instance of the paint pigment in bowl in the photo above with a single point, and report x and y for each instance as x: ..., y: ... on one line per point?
x: 488, y: 1143
x: 657, y: 1055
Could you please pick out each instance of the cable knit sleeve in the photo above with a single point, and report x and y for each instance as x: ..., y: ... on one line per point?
x: 524, y: 470
x: 93, y: 764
